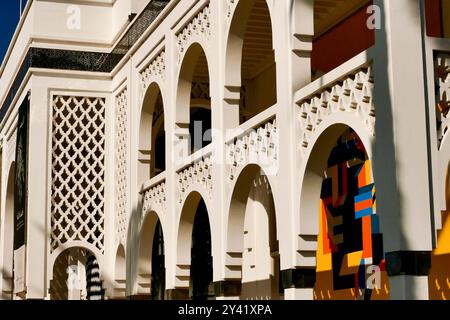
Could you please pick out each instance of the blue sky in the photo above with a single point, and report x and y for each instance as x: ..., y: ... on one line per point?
x: 9, y: 17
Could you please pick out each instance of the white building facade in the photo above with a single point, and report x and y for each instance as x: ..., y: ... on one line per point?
x: 192, y: 149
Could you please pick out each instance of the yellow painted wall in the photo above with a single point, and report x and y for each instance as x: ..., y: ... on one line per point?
x: 439, y: 278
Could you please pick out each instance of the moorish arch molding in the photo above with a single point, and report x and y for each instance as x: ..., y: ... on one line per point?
x: 232, y: 5
x: 185, y: 80
x: 249, y: 61
x: 146, y: 235
x: 184, y: 235
x: 184, y: 96
x: 236, y: 218
x: 233, y: 62
x: 153, y: 108
x: 313, y: 172
x: 154, y: 71
x: 120, y: 272
x: 198, y: 30
x: 351, y: 97
x: 345, y: 103
x: 77, y: 244
x: 7, y: 243
x: 79, y: 266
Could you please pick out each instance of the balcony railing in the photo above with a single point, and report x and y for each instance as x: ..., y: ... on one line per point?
x: 254, y: 142
x: 154, y: 193
x: 196, y: 170
x: 348, y: 89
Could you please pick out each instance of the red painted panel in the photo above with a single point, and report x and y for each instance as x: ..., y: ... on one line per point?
x: 342, y: 42
x: 433, y: 18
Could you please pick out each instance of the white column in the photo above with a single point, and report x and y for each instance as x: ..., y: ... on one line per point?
x: 37, y: 191
x: 293, y: 31
x: 400, y: 162
x: 171, y: 235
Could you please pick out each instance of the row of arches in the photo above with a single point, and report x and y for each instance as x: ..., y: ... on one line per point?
x: 250, y: 70
x: 8, y: 237
x: 252, y: 240
x: 349, y: 238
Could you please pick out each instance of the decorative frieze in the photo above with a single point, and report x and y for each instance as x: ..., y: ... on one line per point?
x: 156, y: 69
x: 199, y: 27
x: 351, y: 95
x: 155, y: 198
x: 196, y: 175
x: 258, y: 145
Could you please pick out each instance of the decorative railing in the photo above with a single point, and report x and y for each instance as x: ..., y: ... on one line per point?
x: 256, y: 141
x: 347, y: 89
x: 154, y: 193
x: 196, y: 171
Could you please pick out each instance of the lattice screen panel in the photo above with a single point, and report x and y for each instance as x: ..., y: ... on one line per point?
x: 78, y: 171
x: 121, y: 185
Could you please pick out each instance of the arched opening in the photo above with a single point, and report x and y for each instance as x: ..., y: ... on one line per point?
x: 194, y: 249
x: 76, y: 276
x: 250, y: 65
x: 120, y: 274
x: 8, y: 237
x: 439, y: 277
x: 158, y: 265
x: 151, y: 264
x: 350, y: 256
x: 152, y: 138
x: 252, y: 245
x: 193, y: 118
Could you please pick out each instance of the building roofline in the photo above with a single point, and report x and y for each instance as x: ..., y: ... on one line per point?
x: 15, y: 36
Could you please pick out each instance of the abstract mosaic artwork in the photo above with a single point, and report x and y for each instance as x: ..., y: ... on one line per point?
x: 350, y: 257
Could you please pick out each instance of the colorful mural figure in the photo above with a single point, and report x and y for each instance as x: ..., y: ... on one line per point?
x: 350, y: 257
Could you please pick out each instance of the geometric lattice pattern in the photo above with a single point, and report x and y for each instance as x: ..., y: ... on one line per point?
x: 442, y: 95
x: 78, y: 171
x: 121, y: 166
